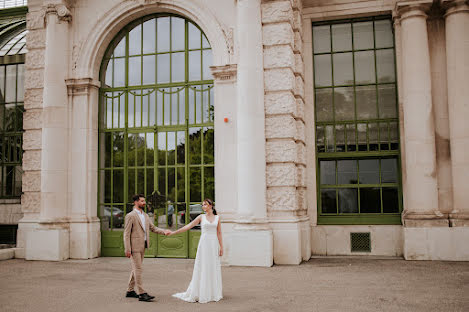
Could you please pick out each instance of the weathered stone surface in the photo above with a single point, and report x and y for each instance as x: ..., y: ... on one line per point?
x: 298, y: 43
x: 279, y: 56
x: 283, y: 174
x: 300, y: 130
x: 280, y: 126
x: 281, y: 198
x: 299, y: 65
x: 32, y: 139
x: 33, y: 98
x: 279, y: 79
x: 31, y: 181
x: 300, y: 108
x: 301, y: 198
x: 282, y: 102
x: 35, y: 20
x: 32, y: 160
x: 32, y: 119
x: 301, y: 150
x: 31, y: 202
x: 35, y: 58
x: 297, y: 24
x: 273, y: 34
x: 36, y: 39
x: 281, y: 151
x: 299, y: 90
x: 277, y: 11
x: 300, y: 176
x: 34, y: 79
x: 297, y: 4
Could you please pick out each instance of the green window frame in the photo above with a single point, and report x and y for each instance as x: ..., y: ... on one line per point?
x: 356, y: 122
x: 156, y: 118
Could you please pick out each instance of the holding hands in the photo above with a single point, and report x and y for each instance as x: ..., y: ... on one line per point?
x: 168, y: 232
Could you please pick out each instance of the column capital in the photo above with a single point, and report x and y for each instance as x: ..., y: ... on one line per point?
x: 224, y: 73
x: 406, y: 9
x: 61, y: 10
x: 455, y: 6
x: 81, y: 86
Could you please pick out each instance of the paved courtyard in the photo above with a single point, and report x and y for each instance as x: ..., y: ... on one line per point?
x: 321, y: 284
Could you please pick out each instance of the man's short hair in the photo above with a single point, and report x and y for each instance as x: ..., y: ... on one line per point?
x: 136, y: 197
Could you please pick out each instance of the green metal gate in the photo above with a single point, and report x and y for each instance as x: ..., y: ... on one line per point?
x: 156, y: 133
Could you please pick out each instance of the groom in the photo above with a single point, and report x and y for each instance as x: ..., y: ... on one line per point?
x: 136, y: 240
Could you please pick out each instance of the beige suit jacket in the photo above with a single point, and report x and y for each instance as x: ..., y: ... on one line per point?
x: 134, y: 235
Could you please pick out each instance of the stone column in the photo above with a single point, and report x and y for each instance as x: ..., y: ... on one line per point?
x: 252, y: 238
x: 421, y: 190
x: 457, y: 51
x: 51, y: 240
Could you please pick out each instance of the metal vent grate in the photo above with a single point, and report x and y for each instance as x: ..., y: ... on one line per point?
x: 360, y: 242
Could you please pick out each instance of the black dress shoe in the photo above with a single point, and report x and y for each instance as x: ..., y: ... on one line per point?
x: 145, y: 297
x: 131, y: 294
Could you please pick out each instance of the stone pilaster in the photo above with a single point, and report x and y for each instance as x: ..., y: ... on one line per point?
x: 421, y: 189
x: 457, y: 52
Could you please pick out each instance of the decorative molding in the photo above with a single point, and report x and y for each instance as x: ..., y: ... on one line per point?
x: 406, y: 9
x: 62, y: 11
x: 455, y: 6
x: 81, y: 86
x: 225, y: 73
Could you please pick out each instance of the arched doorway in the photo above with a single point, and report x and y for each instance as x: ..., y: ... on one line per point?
x: 156, y: 130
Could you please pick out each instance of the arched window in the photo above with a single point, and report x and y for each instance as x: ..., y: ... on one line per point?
x: 156, y: 123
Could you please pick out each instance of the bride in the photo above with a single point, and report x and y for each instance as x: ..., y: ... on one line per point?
x: 206, y: 284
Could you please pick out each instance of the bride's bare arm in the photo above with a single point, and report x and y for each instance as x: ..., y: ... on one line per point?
x: 219, y: 236
x: 188, y: 226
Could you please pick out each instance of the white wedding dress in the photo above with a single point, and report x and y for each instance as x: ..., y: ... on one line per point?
x: 206, y: 284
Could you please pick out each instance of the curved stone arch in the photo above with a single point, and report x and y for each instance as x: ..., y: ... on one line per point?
x: 91, y: 53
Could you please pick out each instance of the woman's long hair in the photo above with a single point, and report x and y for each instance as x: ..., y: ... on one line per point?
x: 210, y: 202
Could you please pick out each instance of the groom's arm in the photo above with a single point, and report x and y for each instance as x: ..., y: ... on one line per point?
x: 127, y: 230
x: 155, y: 229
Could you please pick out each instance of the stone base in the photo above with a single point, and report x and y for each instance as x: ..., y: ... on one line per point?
x: 251, y: 247
x: 292, y: 242
x: 334, y: 240
x: 85, y: 240
x: 438, y: 243
x: 48, y: 244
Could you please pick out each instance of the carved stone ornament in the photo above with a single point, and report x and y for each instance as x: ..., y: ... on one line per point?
x: 225, y: 73
x: 63, y: 13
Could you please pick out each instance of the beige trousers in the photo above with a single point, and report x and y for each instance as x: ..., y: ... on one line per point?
x: 136, y: 274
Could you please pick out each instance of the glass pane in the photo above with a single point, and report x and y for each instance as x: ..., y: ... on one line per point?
x: 171, y: 184
x: 118, y: 186
x: 162, y: 181
x: 120, y: 48
x: 365, y: 67
x: 209, y: 182
x: 351, y: 138
x: 327, y: 168
x: 107, y: 186
x: 159, y: 107
x: 347, y: 172
x: 180, y: 147
x: 394, y: 135
x: 135, y: 71
x: 10, y: 93
x: 361, y: 131
x: 366, y: 102
x: 119, y: 72
x: 195, y: 69
x: 340, y: 138
x: 135, y: 41
x: 205, y: 43
x: 163, y: 68
x: 209, y: 150
x: 322, y: 70
x: 107, y: 143
x: 194, y: 37
x: 389, y: 170
x: 384, y: 136
x: 162, y: 148
x: 343, y: 101
x: 322, y: 39
x: 108, y: 76
x: 149, y: 36
x: 324, y: 105
x: 329, y: 136
x: 363, y: 35
x: 177, y: 67
x: 167, y: 106
x: 328, y: 201
x: 373, y: 136
x: 383, y: 34
x: 348, y: 200
x: 387, y: 101
x: 162, y: 34
x: 171, y: 148
x: 207, y: 62
x: 179, y: 97
x: 20, y: 83
x: 150, y: 182
x: 131, y: 190
x: 370, y: 200
x: 181, y: 194
x: 369, y: 171
x: 343, y: 69
x: 195, y: 150
x: 341, y: 37
x: 150, y: 149
x: 320, y: 139
x: 149, y: 76
x: 2, y: 85
x: 177, y: 33
x: 118, y: 149
x: 390, y: 200
x: 385, y: 65
x: 195, y: 184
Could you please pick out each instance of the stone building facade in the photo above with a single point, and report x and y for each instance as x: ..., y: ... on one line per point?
x: 340, y: 127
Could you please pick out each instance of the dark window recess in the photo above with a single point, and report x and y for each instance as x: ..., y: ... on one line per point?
x: 8, y: 234
x: 360, y: 242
